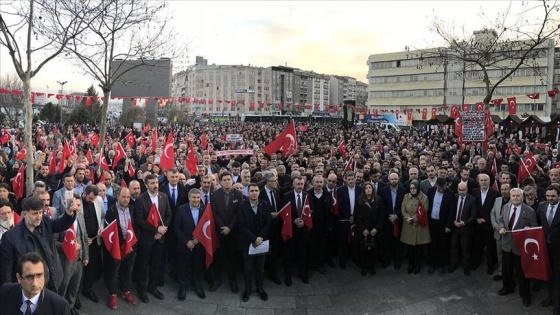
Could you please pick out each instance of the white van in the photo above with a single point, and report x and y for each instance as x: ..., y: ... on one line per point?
x: 389, y: 127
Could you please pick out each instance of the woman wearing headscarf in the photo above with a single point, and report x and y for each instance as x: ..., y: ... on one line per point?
x: 414, y: 234
x: 369, y: 216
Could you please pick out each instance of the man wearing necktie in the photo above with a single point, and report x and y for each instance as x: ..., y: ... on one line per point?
x: 270, y: 194
x: 460, y: 225
x: 515, y: 216
x: 549, y: 218
x: 29, y: 294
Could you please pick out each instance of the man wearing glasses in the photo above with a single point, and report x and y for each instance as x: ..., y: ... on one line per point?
x: 30, y: 289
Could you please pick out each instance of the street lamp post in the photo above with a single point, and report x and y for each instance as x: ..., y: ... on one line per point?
x: 61, y: 98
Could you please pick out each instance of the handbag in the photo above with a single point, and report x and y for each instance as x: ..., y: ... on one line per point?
x: 368, y: 244
x: 352, y: 234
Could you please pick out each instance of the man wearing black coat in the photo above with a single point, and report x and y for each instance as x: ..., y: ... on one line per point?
x: 440, y: 199
x: 31, y: 277
x: 270, y: 194
x: 253, y: 225
x: 392, y: 197
x: 321, y: 203
x: 460, y: 224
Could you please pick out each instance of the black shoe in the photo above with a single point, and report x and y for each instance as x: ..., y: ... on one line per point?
x: 497, y: 277
x: 143, y: 296
x: 155, y: 292
x: 410, y: 269
x: 234, y: 287
x: 262, y: 294
x: 275, y: 279
x: 215, y: 286
x: 322, y: 270
x: 200, y: 292
x: 546, y: 303
x: 431, y: 270
x: 288, y: 281
x: 182, y: 294
x: 330, y: 263
x: 417, y: 269
x: 474, y: 266
x: 245, y: 296
x: 384, y: 264
x: 90, y: 295
x: 466, y: 271
x: 364, y: 272
x: 526, y: 302
x: 504, y: 291
x: 304, y: 279
x: 451, y: 269
x: 442, y: 271
x: 78, y: 303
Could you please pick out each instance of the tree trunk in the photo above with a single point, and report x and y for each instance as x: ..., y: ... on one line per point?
x: 28, y: 135
x: 104, y: 115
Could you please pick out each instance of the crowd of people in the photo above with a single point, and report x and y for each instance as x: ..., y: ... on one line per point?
x: 362, y: 201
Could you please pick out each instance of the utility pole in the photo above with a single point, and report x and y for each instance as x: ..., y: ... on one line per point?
x: 61, y: 98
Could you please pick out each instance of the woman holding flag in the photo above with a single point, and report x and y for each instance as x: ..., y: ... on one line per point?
x: 415, y: 231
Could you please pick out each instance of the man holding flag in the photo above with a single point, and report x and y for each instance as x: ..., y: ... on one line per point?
x: 118, y: 273
x: 190, y: 251
x: 152, y: 217
x: 515, y: 216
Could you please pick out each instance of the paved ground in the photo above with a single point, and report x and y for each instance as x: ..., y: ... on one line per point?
x: 343, y: 292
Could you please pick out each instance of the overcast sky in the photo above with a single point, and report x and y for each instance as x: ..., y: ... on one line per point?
x: 330, y: 37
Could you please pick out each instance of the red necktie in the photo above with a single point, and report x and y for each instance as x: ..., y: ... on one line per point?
x: 512, y: 219
x: 48, y: 211
x: 460, y: 213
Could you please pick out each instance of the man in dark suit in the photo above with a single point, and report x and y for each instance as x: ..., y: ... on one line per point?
x: 148, y: 271
x: 321, y: 203
x: 460, y: 224
x: 549, y: 218
x: 440, y: 199
x: 483, y: 231
x: 118, y: 273
x: 269, y: 193
x: 392, y: 197
x: 464, y: 178
x: 296, y: 250
x: 30, y: 274
x: 225, y: 204
x: 515, y: 215
x: 375, y: 177
x: 177, y: 195
x: 347, y: 195
x: 253, y: 222
x: 190, y: 252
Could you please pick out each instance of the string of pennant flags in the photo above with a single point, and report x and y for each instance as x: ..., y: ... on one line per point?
x: 163, y: 101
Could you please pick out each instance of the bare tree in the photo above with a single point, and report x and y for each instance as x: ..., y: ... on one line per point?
x: 37, y: 27
x: 509, y: 41
x: 127, y: 30
x: 11, y: 103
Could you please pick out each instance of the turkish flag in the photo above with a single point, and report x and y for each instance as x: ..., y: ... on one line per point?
x: 130, y: 139
x: 375, y: 113
x: 424, y: 113
x: 167, y: 159
x: 110, y: 237
x: 154, y: 140
x: 89, y: 157
x: 52, y: 163
x: 334, y: 207
x: 533, y: 96
x: 454, y: 112
x: 488, y: 124
x: 69, y: 244
x: 5, y: 136
x: 306, y: 214
x: 17, y: 218
x: 146, y: 128
x: 95, y: 140
x: 131, y: 170
x: 421, y: 214
x: 534, y: 253
x: 466, y: 107
x: 497, y: 101
x: 153, y: 216
x: 523, y: 171
x: 191, y: 161
x: 205, y: 233
x: 103, y: 161
x: 479, y: 106
x: 130, y: 240
x: 88, y: 101
x: 342, y: 149
x: 119, y: 154
x: 552, y: 93
x: 530, y: 161
x: 459, y: 129
x: 286, y: 142
x: 22, y: 154
x: 18, y: 183
x: 203, y: 143
x: 286, y: 215
x: 512, y: 105
x: 434, y: 112
x: 350, y: 165
x: 72, y: 147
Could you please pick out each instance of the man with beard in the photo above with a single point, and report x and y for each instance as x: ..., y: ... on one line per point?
x: 6, y: 216
x: 135, y: 191
x: 92, y: 209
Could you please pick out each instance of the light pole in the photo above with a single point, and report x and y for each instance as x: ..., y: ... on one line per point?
x: 61, y: 98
